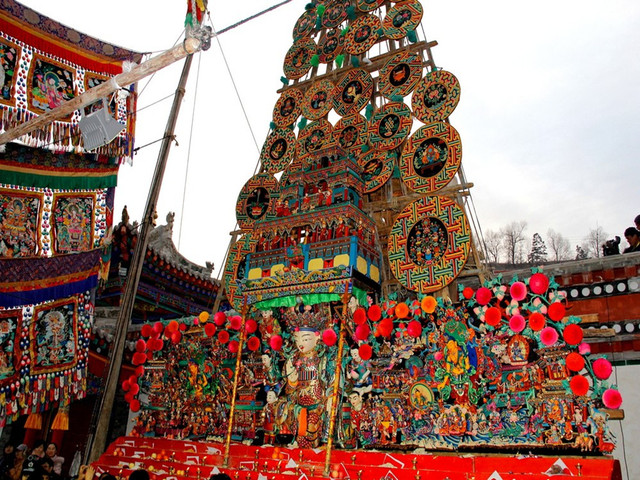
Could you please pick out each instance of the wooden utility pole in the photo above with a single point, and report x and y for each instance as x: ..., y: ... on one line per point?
x: 188, y: 47
x: 98, y: 443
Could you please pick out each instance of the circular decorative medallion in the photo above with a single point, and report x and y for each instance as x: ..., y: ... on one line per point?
x: 400, y: 75
x: 318, y: 100
x: 369, y: 5
x: 353, y: 92
x: 429, y: 244
x: 330, y: 46
x: 351, y: 133
x: 431, y: 157
x: 362, y: 34
x: 292, y: 169
x: 401, y: 18
x: 314, y: 136
x: 255, y: 200
x: 420, y: 396
x: 390, y: 125
x: 288, y: 108
x: 377, y: 168
x: 235, y: 269
x: 436, y: 96
x: 305, y: 24
x: 297, y: 62
x: 335, y: 13
x: 278, y: 150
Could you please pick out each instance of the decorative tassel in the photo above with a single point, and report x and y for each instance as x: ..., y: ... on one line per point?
x: 309, y: 6
x: 344, y: 31
x: 272, y: 125
x: 320, y: 10
x: 339, y: 60
x: 364, y: 148
x: 351, y: 12
x: 34, y: 421
x: 61, y: 420
x: 380, y: 32
x: 318, y: 23
x: 284, y: 80
x: 315, y: 60
x: 368, y: 112
x: 355, y: 61
x: 302, y: 123
x: 397, y: 98
x: 411, y: 35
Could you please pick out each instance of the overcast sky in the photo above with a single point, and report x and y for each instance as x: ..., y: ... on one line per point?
x: 549, y: 115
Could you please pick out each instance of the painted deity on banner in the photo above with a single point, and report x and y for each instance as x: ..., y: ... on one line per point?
x: 54, y: 337
x: 9, y: 55
x: 9, y: 325
x: 52, y: 83
x: 18, y: 225
x: 73, y: 222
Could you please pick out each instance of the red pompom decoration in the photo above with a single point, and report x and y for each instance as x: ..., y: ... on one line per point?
x: 402, y: 310
x: 359, y: 316
x: 612, y: 398
x: 235, y: 322
x: 602, y: 368
x: 209, y: 329
x: 128, y: 397
x: 138, y: 358
x: 517, y: 323
x: 483, y: 295
x: 548, y: 336
x: 362, y: 332
x: 365, y: 351
x: 492, y: 316
x: 146, y: 330
x: 385, y: 326
x: 556, y: 311
x: 135, y: 405
x: 183, y: 326
x: 126, y: 385
x: 467, y: 292
x: 575, y: 362
x: 572, y: 334
x: 250, y: 325
x: 149, y: 355
x: 579, y: 385
x: 219, y: 318
x: 233, y: 346
x: 223, y: 336
x: 329, y: 337
x: 537, y: 321
x: 135, y: 388
x: 140, y: 370
x: 159, y: 343
x: 253, y: 344
x: 518, y: 291
x: 176, y: 337
x: 141, y: 346
x: 414, y: 328
x: 538, y: 283
x: 374, y: 313
x: 158, y: 327
x: 276, y: 342
x: 172, y: 326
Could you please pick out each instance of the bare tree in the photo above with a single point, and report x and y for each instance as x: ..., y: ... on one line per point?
x: 512, y: 239
x: 594, y: 240
x: 559, y: 246
x: 493, y: 245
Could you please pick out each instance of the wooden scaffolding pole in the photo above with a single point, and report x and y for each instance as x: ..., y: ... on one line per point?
x: 98, y: 443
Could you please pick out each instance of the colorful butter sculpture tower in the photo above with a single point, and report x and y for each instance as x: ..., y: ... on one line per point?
x: 346, y: 327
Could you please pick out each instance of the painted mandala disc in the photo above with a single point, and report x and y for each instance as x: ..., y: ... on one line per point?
x: 353, y: 92
x: 400, y: 75
x: 305, y: 24
x: 278, y: 150
x: 235, y: 267
x: 362, y: 34
x: 351, y: 133
x: 401, y: 18
x: 255, y: 200
x: 330, y: 46
x: 431, y: 157
x: 288, y: 108
x: 368, y: 5
x: 436, y: 96
x: 390, y: 125
x: 335, y: 13
x: 377, y: 168
x: 297, y: 62
x: 429, y: 244
x: 318, y: 100
x: 313, y: 137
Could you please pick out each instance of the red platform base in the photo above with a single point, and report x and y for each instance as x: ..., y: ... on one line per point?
x: 167, y: 459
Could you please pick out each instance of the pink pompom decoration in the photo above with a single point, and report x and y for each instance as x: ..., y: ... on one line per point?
x: 235, y: 322
x: 518, y: 291
x: 438, y: 356
x: 414, y: 328
x: 602, y: 368
x: 233, y: 346
x: 219, y: 318
x: 276, y: 342
x: 548, y: 336
x: 612, y: 398
x: 329, y: 337
x: 584, y: 348
x: 362, y: 332
x: 483, y: 295
x: 538, y: 283
x: 517, y: 323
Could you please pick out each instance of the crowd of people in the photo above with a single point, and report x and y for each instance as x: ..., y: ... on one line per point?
x: 42, y: 462
x: 632, y: 235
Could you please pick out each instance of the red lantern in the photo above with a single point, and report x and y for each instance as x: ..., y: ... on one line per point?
x: 374, y: 313
x: 537, y: 321
x: 572, y: 334
x: 483, y: 295
x: 365, y: 351
x: 209, y: 329
x: 359, y: 316
x: 575, y: 362
x: 579, y: 385
x: 329, y: 337
x: 538, y: 283
x: 414, y: 328
x: 362, y: 332
x: 253, y: 344
x: 250, y: 325
x: 518, y: 291
x: 219, y: 318
x: 141, y: 346
x: 493, y: 316
x: 556, y: 311
x: 276, y: 342
x: 223, y: 336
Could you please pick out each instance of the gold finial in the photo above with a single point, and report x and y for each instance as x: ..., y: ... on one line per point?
x: 353, y: 459
x: 414, y: 462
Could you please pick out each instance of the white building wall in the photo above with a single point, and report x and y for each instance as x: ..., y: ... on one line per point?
x: 627, y: 431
